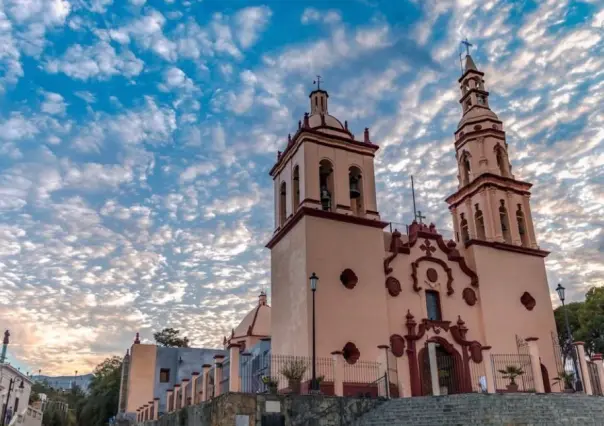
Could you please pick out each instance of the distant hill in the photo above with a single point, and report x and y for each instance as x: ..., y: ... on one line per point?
x: 65, y: 382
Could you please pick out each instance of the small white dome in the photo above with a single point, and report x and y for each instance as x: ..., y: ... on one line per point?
x: 315, y: 121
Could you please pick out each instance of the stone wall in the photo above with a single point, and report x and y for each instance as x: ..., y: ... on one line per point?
x: 298, y: 410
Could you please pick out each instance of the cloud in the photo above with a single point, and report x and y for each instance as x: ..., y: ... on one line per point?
x: 53, y: 103
x: 98, y: 61
x: 311, y: 15
x: 250, y: 22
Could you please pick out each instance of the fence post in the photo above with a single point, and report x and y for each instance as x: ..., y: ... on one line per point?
x: 338, y: 373
x: 583, y: 366
x: 183, y: 394
x: 169, y: 401
x: 175, y: 398
x: 217, y: 374
x: 156, y: 409
x: 194, y: 377
x: 384, y: 367
x: 488, y: 370
x: 234, y: 381
x: 535, y: 363
x: 205, y: 370
x: 597, y: 359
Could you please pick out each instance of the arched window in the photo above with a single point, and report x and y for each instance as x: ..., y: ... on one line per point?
x: 479, y: 220
x: 433, y: 305
x: 522, y: 227
x: 282, y: 204
x: 326, y: 186
x: 505, y: 223
x: 465, y: 168
x: 296, y: 188
x: 465, y: 235
x: 355, y: 185
x: 502, y: 163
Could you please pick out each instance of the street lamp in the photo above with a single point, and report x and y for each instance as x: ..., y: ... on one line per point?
x: 578, y: 385
x: 313, y: 287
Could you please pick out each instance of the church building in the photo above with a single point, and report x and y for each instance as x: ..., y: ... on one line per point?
x: 411, y: 292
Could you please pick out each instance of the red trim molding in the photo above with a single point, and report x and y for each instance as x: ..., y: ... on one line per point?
x: 233, y: 345
x: 531, y: 339
x: 308, y: 211
x: 508, y: 247
x: 579, y: 343
x: 383, y: 347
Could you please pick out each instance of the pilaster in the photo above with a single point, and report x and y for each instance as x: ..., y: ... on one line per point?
x: 487, y: 215
x: 513, y: 221
x: 194, y: 396
x: 156, y: 409
x: 234, y: 375
x: 338, y: 373
x: 597, y: 359
x: 205, y: 382
x: 169, y: 401
x: 488, y: 371
x: 583, y: 366
x: 183, y: 394
x: 217, y: 374
x: 528, y: 217
x: 535, y: 364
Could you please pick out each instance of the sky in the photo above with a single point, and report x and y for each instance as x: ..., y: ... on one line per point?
x: 136, y: 139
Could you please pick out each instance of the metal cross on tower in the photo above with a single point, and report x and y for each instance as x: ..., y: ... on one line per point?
x: 419, y: 216
x: 468, y: 45
x: 318, y: 82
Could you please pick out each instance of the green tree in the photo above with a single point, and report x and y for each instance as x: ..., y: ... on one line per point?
x: 170, y: 337
x: 591, y: 319
x: 102, y: 401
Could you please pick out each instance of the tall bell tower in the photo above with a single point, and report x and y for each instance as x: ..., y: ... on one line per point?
x: 490, y: 205
x: 494, y: 226
x: 326, y: 222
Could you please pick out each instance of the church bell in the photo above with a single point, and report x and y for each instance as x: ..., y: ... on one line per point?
x: 325, y: 199
x: 355, y: 191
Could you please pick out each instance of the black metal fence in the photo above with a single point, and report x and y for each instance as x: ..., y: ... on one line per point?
x: 594, y: 378
x: 268, y: 372
x: 361, y: 372
x: 513, y: 373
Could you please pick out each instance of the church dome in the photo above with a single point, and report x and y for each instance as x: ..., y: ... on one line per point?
x: 477, y: 113
x: 257, y: 322
x: 314, y: 120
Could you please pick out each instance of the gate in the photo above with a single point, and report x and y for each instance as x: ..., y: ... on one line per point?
x: 272, y: 419
x: 594, y: 377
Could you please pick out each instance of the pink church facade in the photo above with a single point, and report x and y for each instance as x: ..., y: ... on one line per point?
x: 466, y: 299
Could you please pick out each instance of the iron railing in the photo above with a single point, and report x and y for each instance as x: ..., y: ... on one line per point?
x: 513, y: 373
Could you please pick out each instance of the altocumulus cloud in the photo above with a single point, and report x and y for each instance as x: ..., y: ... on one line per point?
x: 136, y: 140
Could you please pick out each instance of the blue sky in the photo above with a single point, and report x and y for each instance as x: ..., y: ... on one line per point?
x: 136, y: 138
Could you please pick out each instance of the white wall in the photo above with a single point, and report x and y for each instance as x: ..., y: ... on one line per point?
x: 7, y: 373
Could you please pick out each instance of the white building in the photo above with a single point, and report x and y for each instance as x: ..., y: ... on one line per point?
x: 15, y: 389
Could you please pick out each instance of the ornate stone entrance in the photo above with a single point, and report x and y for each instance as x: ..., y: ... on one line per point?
x: 450, y: 372
x: 454, y: 364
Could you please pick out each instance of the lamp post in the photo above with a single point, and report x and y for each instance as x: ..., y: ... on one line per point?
x: 313, y: 287
x: 578, y: 385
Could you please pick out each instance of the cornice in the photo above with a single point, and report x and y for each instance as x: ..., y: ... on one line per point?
x: 488, y: 180
x: 308, y: 211
x: 508, y: 247
x: 332, y: 141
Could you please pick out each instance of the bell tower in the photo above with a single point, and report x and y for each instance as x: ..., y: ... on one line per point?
x: 326, y: 221
x: 490, y: 205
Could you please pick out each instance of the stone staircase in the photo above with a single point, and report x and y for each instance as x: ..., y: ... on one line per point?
x: 486, y: 409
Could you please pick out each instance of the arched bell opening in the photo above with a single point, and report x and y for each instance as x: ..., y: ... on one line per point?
x: 522, y: 227
x: 296, y: 187
x: 505, y: 223
x: 282, y: 204
x: 355, y: 186
x: 326, y: 185
x: 479, y: 220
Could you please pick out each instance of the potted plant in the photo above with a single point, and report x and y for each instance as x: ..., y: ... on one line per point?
x: 294, y: 372
x: 443, y: 375
x: 511, y: 372
x: 271, y: 383
x: 567, y: 379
